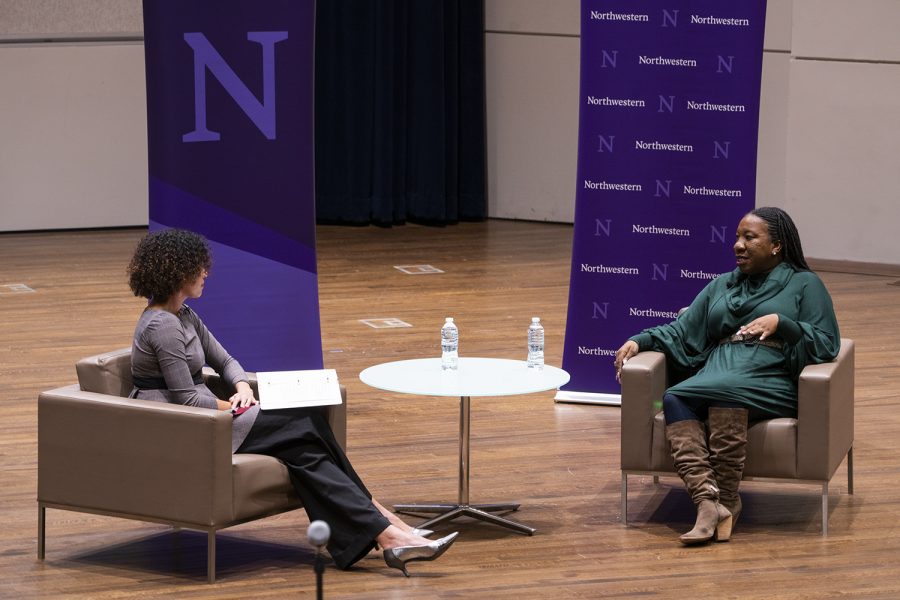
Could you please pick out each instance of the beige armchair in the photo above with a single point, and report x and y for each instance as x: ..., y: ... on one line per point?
x: 100, y: 452
x: 806, y: 450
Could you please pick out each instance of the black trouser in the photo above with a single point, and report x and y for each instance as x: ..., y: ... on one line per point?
x: 680, y: 408
x: 330, y: 489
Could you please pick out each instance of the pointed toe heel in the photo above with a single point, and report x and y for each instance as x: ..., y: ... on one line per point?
x: 394, y: 561
x: 398, y: 557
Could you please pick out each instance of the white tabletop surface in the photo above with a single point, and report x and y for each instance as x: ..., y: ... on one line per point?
x: 475, y: 377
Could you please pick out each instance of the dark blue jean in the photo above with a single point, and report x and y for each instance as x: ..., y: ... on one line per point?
x: 677, y: 408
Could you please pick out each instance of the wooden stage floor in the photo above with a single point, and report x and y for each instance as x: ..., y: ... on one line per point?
x: 560, y: 461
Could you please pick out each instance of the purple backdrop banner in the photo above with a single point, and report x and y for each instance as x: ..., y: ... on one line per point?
x: 669, y: 112
x: 230, y: 136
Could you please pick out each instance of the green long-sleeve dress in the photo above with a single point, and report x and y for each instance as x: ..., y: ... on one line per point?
x: 751, y: 374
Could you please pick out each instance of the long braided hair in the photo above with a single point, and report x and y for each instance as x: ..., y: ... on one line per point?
x: 782, y: 229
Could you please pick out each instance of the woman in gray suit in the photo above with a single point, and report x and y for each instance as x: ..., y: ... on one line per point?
x: 171, y: 345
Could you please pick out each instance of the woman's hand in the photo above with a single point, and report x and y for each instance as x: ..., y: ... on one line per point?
x: 763, y: 327
x: 244, y: 396
x: 628, y: 349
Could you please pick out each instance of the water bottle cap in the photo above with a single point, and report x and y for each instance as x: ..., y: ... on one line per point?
x: 449, y: 320
x: 535, y: 319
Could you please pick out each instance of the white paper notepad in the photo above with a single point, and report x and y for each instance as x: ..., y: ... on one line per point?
x: 298, y: 389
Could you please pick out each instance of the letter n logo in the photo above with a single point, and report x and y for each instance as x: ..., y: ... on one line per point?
x: 660, y: 272
x: 602, y: 311
x: 670, y: 18
x: 666, y: 105
x: 727, y: 65
x: 663, y: 187
x: 720, y: 150
x: 606, y: 143
x: 718, y: 234
x: 602, y: 230
x: 609, y: 59
x: 206, y: 57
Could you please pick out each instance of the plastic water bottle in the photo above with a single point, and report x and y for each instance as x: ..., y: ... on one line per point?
x: 449, y: 345
x: 535, y: 344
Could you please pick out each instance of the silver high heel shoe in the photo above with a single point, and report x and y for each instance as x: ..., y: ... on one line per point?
x: 398, y: 557
x: 415, y: 531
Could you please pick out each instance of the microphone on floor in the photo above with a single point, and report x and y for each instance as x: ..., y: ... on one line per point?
x: 318, y: 533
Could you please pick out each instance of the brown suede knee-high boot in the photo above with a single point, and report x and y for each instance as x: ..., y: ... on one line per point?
x: 689, y: 450
x: 727, y: 454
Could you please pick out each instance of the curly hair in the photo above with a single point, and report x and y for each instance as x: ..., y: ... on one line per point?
x: 166, y: 260
x: 782, y: 229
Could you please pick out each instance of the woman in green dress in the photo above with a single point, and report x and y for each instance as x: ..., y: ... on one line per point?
x: 742, y: 344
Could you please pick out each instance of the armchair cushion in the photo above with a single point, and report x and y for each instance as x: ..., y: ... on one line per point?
x: 108, y: 373
x: 261, y: 486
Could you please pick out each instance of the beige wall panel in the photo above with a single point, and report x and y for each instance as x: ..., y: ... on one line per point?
x: 65, y: 18
x: 778, y: 25
x: 857, y: 30
x: 844, y: 159
x: 533, y: 16
x: 773, y: 124
x: 532, y: 122
x: 74, y: 147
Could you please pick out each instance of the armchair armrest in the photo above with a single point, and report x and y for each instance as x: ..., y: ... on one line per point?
x: 336, y: 414
x: 644, y: 380
x: 825, y: 414
x: 122, y: 456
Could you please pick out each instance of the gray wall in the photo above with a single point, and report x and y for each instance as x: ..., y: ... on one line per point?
x: 73, y: 143
x: 829, y: 148
x: 73, y: 123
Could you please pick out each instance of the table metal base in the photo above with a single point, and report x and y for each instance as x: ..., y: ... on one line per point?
x: 481, y: 512
x: 462, y: 508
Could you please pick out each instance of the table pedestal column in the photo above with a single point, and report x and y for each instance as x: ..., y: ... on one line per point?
x: 462, y: 507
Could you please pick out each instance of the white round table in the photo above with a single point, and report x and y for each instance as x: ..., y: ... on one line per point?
x: 475, y: 377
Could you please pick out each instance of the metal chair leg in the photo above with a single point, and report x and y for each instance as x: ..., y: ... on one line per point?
x: 624, y: 498
x: 825, y: 509
x: 42, y: 519
x: 211, y: 556
x: 850, y: 470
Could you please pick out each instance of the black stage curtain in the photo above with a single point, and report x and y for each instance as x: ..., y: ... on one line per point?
x: 400, y: 121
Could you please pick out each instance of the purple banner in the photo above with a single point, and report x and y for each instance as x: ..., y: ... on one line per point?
x: 230, y: 136
x: 669, y: 111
